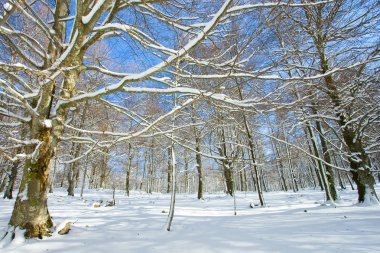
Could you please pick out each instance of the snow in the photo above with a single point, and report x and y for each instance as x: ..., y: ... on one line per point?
x: 48, y: 123
x: 8, y: 7
x: 86, y: 19
x: 23, y: 195
x: 291, y: 222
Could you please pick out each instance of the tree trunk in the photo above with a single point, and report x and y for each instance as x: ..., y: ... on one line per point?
x: 70, y: 181
x: 350, y: 181
x: 170, y: 170
x: 252, y: 154
x: 128, y: 170
x: 280, y: 166
x: 198, y: 159
x: 63, y: 175
x: 226, y: 164
x: 293, y: 178
x: 92, y: 177
x: 173, y: 188
x: 51, y: 187
x: 327, y: 158
x: 359, y: 161
x: 3, y: 183
x: 84, y: 176
x: 229, y: 178
x: 144, y: 171
x: 186, y: 174
x: 360, y: 168
x: 320, y: 165
x: 11, y: 180
x: 316, y: 163
x: 74, y: 168
x: 30, y: 211
x: 265, y: 188
x: 103, y: 170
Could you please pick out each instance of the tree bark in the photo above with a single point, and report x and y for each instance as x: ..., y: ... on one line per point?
x: 51, y: 185
x: 84, y: 176
x: 252, y: 154
x: 226, y: 164
x: 170, y: 170
x: 320, y: 165
x: 3, y: 183
x: 30, y: 211
x: 327, y: 158
x: 11, y: 180
x: 360, y: 164
x: 186, y: 174
x: 198, y: 159
x: 128, y: 170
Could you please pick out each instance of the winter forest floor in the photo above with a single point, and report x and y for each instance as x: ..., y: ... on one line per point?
x: 291, y: 222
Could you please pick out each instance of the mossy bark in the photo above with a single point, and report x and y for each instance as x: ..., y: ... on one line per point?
x: 360, y: 168
x: 30, y: 211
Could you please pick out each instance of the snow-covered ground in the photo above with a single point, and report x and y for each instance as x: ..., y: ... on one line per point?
x: 291, y: 222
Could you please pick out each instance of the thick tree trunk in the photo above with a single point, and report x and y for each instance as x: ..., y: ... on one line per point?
x: 30, y: 211
x: 361, y: 169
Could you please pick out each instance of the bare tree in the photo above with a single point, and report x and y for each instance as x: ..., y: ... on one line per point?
x: 330, y: 29
x: 42, y: 71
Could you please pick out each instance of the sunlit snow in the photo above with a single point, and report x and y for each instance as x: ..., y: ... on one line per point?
x: 291, y: 222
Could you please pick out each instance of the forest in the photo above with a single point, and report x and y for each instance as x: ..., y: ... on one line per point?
x: 186, y: 98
